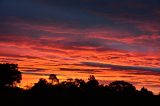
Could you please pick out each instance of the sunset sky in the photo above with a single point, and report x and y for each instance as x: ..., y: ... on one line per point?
x: 111, y: 39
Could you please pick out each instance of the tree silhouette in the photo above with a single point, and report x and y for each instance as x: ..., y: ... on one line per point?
x: 92, y: 83
x: 70, y: 80
x: 145, y: 92
x: 122, y: 87
x: 70, y: 83
x: 91, y: 77
x: 80, y: 83
x: 41, y: 87
x: 53, y: 78
x: 41, y: 83
x: 9, y: 75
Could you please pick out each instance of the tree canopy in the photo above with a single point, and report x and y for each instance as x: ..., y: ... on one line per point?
x: 9, y: 74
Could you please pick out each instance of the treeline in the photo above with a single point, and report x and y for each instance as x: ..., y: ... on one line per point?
x: 76, y: 92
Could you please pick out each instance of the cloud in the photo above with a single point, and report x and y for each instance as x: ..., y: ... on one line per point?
x: 120, y: 67
x: 126, y: 76
x: 107, y: 76
x: 4, y: 59
x: 121, y: 24
x: 39, y: 74
x: 81, y: 14
x: 14, y: 55
x: 90, y: 71
x: 27, y: 69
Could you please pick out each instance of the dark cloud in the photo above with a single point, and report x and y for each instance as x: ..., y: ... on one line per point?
x: 144, y: 73
x: 81, y: 13
x: 43, y: 49
x: 72, y: 42
x: 90, y: 71
x: 57, y: 13
x: 120, y: 67
x: 81, y: 43
x: 126, y: 76
x: 14, y: 55
x: 4, y: 59
x: 27, y: 69
x: 39, y: 74
x: 106, y: 76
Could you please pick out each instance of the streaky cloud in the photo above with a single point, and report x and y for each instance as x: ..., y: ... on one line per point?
x: 121, y: 67
x: 38, y: 74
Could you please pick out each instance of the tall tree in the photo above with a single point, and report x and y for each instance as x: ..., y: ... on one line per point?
x: 53, y: 79
x: 92, y: 82
x: 9, y: 74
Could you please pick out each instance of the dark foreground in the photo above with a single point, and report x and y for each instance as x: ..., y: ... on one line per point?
x: 72, y: 92
x: 80, y: 101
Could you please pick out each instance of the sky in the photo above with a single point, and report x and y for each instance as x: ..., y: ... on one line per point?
x: 111, y: 39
